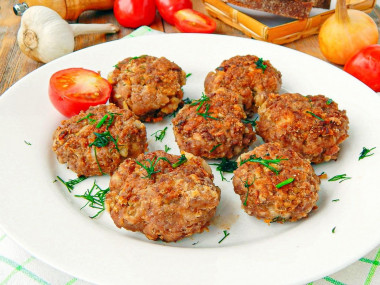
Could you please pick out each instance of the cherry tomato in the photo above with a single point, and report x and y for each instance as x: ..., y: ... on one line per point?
x: 191, y: 21
x: 365, y: 66
x: 167, y: 8
x: 134, y: 13
x: 75, y: 89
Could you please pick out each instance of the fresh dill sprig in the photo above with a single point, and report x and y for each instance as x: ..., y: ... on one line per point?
x: 150, y: 168
x: 335, y: 200
x: 314, y: 115
x: 28, y: 143
x: 225, y: 165
x: 226, y: 234
x: 333, y: 230
x: 329, y: 101
x: 160, y: 134
x: 187, y: 101
x: 340, y: 177
x: 72, y: 182
x: 167, y: 149
x: 215, y: 147
x: 90, y: 120
x: 206, y: 114
x: 265, y: 162
x: 117, y: 66
x: 285, y: 182
x: 103, y: 139
x: 260, y: 64
x: 107, y: 119
x: 95, y: 200
x: 247, y: 185
x: 182, y: 159
x: 278, y: 219
x: 366, y: 153
x: 252, y: 122
x: 204, y: 98
x: 188, y: 75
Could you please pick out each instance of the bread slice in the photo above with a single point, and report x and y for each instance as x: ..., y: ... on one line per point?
x: 297, y: 9
x: 325, y: 4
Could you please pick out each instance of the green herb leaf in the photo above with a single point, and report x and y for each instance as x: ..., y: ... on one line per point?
x: 206, y: 114
x: 160, y: 134
x: 200, y: 101
x: 340, y: 177
x: 225, y: 165
x: 335, y: 200
x: 226, y: 234
x: 246, y: 185
x: 116, y: 66
x: 180, y: 161
x: 278, y: 219
x: 285, y: 182
x: 215, y: 147
x: 189, y: 74
x: 95, y: 200
x: 91, y: 121
x: 314, y: 115
x: 187, y: 101
x: 103, y: 139
x: 329, y: 101
x: 366, y: 153
x: 253, y: 122
x: 167, y: 148
x: 265, y: 162
x: 28, y: 143
x: 72, y: 182
x: 333, y: 230
x: 260, y: 64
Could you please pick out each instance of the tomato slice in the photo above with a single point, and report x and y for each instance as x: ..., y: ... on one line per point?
x: 191, y: 21
x: 75, y: 89
x: 167, y: 8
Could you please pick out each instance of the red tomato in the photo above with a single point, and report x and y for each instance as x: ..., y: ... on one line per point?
x: 167, y: 8
x: 75, y: 89
x: 365, y: 66
x: 191, y: 21
x: 134, y: 13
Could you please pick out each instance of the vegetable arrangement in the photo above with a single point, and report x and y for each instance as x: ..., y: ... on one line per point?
x: 135, y: 13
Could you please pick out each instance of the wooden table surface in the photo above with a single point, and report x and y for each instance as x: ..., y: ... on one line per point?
x: 15, y: 65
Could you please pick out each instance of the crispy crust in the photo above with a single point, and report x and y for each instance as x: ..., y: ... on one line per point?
x: 71, y: 141
x: 264, y: 200
x: 149, y: 86
x: 288, y: 119
x: 175, y: 203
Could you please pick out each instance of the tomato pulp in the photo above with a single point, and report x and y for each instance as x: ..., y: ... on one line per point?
x: 134, y: 13
x: 75, y: 89
x: 365, y: 66
x: 167, y: 8
x: 191, y: 21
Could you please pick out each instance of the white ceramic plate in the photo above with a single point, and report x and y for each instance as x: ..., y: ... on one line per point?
x: 47, y: 221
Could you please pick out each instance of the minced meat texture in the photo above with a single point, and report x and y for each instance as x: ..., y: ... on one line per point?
x: 121, y: 135
x: 214, y: 129
x: 149, y: 86
x: 249, y: 76
x: 313, y: 126
x: 171, y: 204
x: 256, y: 184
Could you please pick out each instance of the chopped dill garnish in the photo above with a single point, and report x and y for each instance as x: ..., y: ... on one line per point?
x: 225, y: 165
x: 226, y: 234
x: 167, y: 148
x: 333, y: 230
x: 103, y: 139
x: 220, y: 68
x: 200, y: 101
x: 90, y: 120
x: 160, y: 134
x: 28, y: 143
x: 215, y: 147
x: 246, y: 185
x: 117, y: 66
x: 72, y: 182
x: 97, y: 161
x: 253, y: 122
x: 340, y: 177
x: 137, y: 57
x: 285, y: 182
x: 180, y: 161
x: 206, y: 114
x: 335, y: 200
x: 260, y: 64
x: 264, y: 162
x: 366, y: 153
x: 329, y: 101
x: 314, y: 115
x: 188, y: 75
x: 195, y: 243
x: 95, y: 200
x: 187, y: 101
x: 107, y: 119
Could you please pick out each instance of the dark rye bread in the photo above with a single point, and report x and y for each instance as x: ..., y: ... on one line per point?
x: 298, y: 9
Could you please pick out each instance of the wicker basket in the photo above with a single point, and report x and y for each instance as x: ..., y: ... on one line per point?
x: 281, y: 34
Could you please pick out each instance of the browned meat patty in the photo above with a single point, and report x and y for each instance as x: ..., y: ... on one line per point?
x: 170, y: 204
x: 149, y: 86
x: 98, y: 140
x: 259, y: 179
x: 249, y: 76
x: 213, y: 128
x: 312, y: 125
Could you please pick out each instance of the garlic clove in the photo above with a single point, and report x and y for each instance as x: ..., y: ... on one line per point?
x: 44, y: 35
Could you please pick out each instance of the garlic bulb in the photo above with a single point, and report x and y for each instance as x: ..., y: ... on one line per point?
x: 45, y: 36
